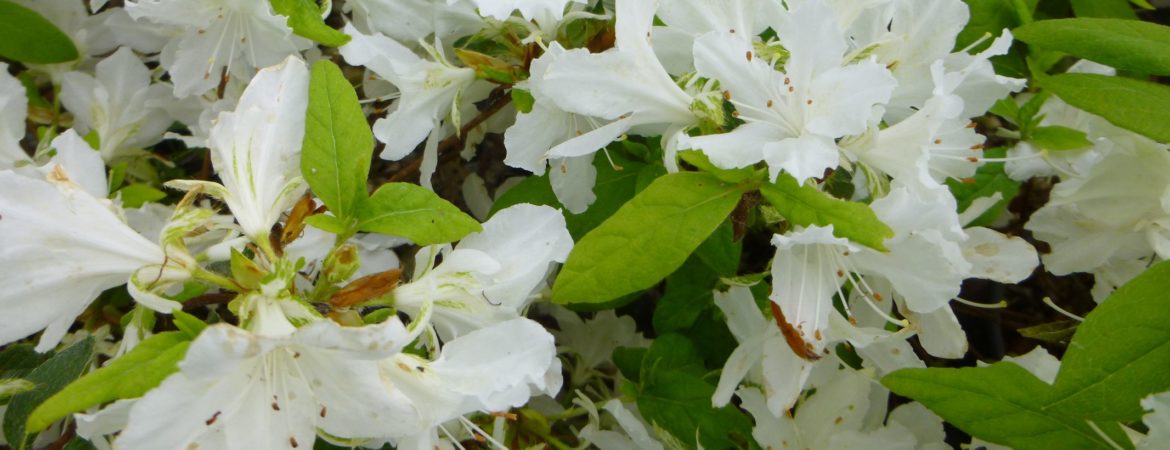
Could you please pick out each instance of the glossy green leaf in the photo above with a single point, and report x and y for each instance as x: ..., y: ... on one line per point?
x: 989, y: 180
x: 129, y: 376
x: 1131, y: 45
x: 415, y: 213
x: 1001, y: 403
x: 679, y: 403
x: 806, y: 205
x: 49, y: 378
x: 647, y: 239
x: 304, y: 17
x: 338, y: 145
x: 136, y: 195
x: 28, y: 37
x: 1120, y: 353
x: 1138, y: 106
x: 1118, y: 9
x: 688, y: 294
x: 17, y: 360
x: 1059, y: 138
x: 721, y: 251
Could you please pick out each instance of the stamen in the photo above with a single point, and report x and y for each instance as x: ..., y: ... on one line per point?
x: 998, y: 305
x: 1048, y: 301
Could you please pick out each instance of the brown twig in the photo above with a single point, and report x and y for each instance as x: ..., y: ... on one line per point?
x: 208, y: 299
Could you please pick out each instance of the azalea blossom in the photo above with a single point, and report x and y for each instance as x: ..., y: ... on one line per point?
x: 256, y: 149
x: 13, y: 111
x: 211, y: 39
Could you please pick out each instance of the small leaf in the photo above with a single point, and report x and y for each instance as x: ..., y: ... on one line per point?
x: 679, y: 402
x: 304, y: 17
x: 647, y: 239
x: 17, y: 360
x: 1059, y: 332
x: 13, y: 386
x: 136, y: 195
x: 1001, y: 403
x: 129, y: 376
x: 50, y: 377
x: 188, y: 324
x: 1131, y: 45
x: 806, y: 205
x: 329, y: 223
x: 1120, y: 353
x: 415, y: 213
x: 1059, y: 138
x: 488, y: 67
x: 721, y: 251
x: 28, y: 37
x: 523, y: 100
x: 338, y: 145
x: 688, y: 294
x: 1138, y: 106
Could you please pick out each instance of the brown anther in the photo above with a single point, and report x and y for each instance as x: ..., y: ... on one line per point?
x: 735, y: 114
x: 322, y: 412
x: 727, y: 95
x: 845, y: 253
x: 818, y: 335
x: 839, y: 420
x: 791, y: 89
x: 977, y: 147
x: 809, y: 101
x: 212, y: 419
x: 840, y: 273
x: 787, y: 81
x: 852, y: 320
x: 877, y: 296
x: 749, y: 55
x: 478, y: 438
x: 937, y: 141
x: 972, y: 159
x: 275, y: 406
x: 769, y: 103
x: 296, y: 355
x: 972, y: 125
x: 292, y: 440
x: 504, y: 414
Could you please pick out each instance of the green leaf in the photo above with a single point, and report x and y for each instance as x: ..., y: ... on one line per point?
x: 1138, y: 106
x: 136, y: 195
x: 688, y: 293
x: 679, y: 403
x: 523, y: 100
x: 28, y: 37
x: 329, y: 223
x: 674, y: 352
x: 304, y: 17
x: 1120, y: 353
x: 629, y: 361
x: 988, y: 17
x: 12, y: 386
x: 129, y: 376
x: 1118, y: 9
x: 1058, y: 138
x: 721, y: 251
x: 188, y: 324
x: 1131, y: 45
x: 806, y: 205
x: 647, y: 239
x: 50, y: 377
x: 338, y: 145
x: 17, y: 360
x: 415, y: 213
x: 1001, y: 403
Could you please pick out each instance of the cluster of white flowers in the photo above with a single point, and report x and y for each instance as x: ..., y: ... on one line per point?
x: 806, y: 88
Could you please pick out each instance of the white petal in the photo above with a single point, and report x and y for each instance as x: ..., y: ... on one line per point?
x: 803, y: 157
x: 572, y: 181
x: 995, y: 256
x: 496, y: 365
x: 804, y: 278
x: 924, y: 268
x: 843, y: 98
x: 256, y: 149
x: 784, y: 375
x: 524, y: 239
x: 83, y: 164
x: 939, y: 332
x: 741, y: 147
x: 62, y: 247
x: 13, y: 111
x: 745, y: 357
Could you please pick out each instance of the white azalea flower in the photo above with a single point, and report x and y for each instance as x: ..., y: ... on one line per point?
x: 490, y: 369
x: 1117, y: 212
x: 793, y: 117
x: 13, y: 111
x: 411, y: 20
x: 595, y: 339
x: 491, y: 275
x: 1157, y: 420
x: 212, y: 38
x: 430, y: 91
x: 633, y: 434
x: 626, y: 85
x: 256, y: 149
x: 534, y: 133
x: 120, y: 104
x: 61, y: 247
x: 547, y: 13
x: 237, y: 389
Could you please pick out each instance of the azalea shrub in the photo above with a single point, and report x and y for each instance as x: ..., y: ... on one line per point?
x: 565, y: 224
